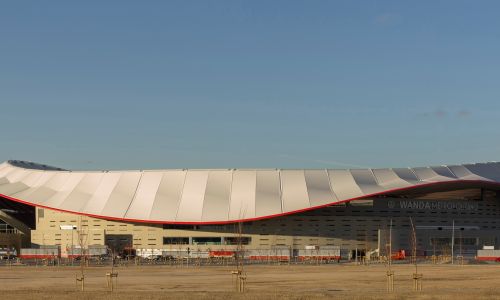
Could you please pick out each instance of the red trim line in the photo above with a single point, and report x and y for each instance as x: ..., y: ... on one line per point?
x: 408, y: 188
x: 489, y: 258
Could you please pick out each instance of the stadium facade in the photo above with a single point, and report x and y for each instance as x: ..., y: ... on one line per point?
x: 201, y: 209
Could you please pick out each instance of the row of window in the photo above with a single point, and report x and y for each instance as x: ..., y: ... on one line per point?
x: 206, y: 240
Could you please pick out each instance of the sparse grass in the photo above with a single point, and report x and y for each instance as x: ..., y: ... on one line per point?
x: 264, y: 282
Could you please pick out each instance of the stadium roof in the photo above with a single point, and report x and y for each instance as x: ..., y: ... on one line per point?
x: 221, y: 195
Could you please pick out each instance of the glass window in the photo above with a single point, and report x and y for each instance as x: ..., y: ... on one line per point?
x: 207, y: 241
x: 245, y: 240
x: 175, y: 240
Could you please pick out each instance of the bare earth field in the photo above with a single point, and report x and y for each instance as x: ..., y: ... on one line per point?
x: 264, y: 282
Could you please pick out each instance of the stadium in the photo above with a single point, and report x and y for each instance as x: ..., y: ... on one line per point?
x: 339, y: 213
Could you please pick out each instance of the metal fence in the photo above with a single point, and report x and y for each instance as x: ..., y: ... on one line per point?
x: 100, y: 255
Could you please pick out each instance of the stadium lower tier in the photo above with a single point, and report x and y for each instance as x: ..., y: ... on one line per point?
x: 437, y: 222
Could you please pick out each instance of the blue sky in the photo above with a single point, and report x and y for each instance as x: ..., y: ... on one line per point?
x: 216, y: 84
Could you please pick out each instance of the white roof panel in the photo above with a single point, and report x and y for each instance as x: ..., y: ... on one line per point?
x: 344, y: 185
x: 120, y: 198
x: 242, y: 203
x: 217, y: 193
x: 98, y: 200
x: 294, y: 190
x: 144, y: 196
x: 191, y: 205
x: 168, y: 196
x: 268, y: 193
x: 82, y: 193
x: 366, y: 181
x: 318, y: 187
x: 389, y: 180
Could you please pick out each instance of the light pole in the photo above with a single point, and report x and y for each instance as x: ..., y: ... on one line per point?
x: 390, y: 244
x: 71, y: 252
x: 452, y: 240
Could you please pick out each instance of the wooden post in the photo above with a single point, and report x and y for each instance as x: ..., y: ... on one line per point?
x: 390, y: 281
x: 239, y: 281
x: 417, y: 282
x: 80, y: 279
x: 109, y: 280
x: 243, y: 279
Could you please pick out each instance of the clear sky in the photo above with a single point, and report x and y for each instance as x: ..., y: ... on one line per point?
x: 216, y: 84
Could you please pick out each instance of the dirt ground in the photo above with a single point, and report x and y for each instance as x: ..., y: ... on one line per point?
x: 264, y: 282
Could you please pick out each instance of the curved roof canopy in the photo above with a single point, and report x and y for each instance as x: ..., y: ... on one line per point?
x: 219, y: 195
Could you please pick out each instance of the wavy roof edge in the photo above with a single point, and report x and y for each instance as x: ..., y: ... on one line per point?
x: 43, y: 167
x: 220, y: 196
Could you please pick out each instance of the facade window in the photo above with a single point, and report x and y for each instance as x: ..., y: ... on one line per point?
x: 175, y: 240
x: 180, y: 227
x: 245, y: 240
x: 207, y: 241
